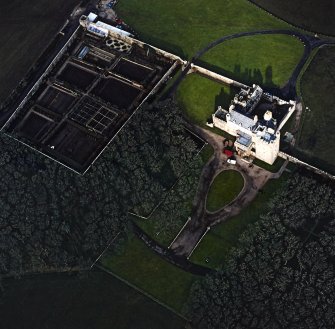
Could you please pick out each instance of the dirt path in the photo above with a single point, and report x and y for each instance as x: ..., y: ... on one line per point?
x: 254, y: 179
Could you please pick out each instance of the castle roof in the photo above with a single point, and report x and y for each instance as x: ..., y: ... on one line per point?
x: 241, y: 120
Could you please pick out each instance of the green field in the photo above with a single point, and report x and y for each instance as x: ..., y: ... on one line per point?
x: 200, y: 97
x: 316, y: 141
x: 267, y: 60
x: 31, y: 27
x: 85, y: 301
x: 184, y: 27
x: 224, y: 189
x: 147, y: 271
x: 313, y: 15
x: 217, y: 244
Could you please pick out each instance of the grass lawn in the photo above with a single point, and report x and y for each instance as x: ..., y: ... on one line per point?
x: 90, y: 300
x: 218, y: 242
x: 224, y: 189
x: 200, y: 97
x: 147, y: 271
x: 267, y: 60
x: 28, y: 28
x: 312, y: 15
x: 316, y: 141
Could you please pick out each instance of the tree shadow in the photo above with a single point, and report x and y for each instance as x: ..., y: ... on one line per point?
x: 268, y: 78
x: 224, y: 97
x: 255, y: 76
x: 248, y: 76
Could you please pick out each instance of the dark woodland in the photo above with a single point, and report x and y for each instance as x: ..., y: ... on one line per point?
x: 53, y: 218
x: 282, y: 274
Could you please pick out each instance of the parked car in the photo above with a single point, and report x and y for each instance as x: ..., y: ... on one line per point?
x: 231, y: 161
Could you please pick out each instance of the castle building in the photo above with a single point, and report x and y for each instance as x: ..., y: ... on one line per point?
x: 255, y: 118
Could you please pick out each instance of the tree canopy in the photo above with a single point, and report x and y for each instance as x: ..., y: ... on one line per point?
x: 282, y: 274
x: 53, y: 218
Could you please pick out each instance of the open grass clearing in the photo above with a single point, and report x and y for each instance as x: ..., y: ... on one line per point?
x: 28, y: 29
x: 89, y: 300
x: 316, y: 141
x: 199, y: 97
x: 215, y: 248
x: 267, y: 60
x: 146, y: 270
x: 224, y: 189
x: 313, y: 15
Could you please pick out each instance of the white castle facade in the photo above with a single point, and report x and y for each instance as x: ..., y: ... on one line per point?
x: 255, y: 118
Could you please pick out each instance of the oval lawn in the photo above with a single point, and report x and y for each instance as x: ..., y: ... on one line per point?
x: 224, y: 189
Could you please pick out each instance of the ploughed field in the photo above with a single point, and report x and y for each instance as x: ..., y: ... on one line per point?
x: 29, y: 28
x: 88, y: 300
x: 313, y: 15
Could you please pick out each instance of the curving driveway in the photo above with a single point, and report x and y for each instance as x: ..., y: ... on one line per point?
x: 254, y: 179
